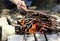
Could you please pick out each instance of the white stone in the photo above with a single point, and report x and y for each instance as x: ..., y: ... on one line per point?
x: 58, y: 27
x: 40, y: 37
x: 3, y: 21
x: 29, y: 38
x: 15, y: 38
x: 9, y: 17
x: 55, y: 16
x: 19, y: 16
x: 52, y: 37
x: 58, y: 18
x: 7, y: 30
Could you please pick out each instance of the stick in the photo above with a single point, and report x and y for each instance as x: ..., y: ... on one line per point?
x: 39, y: 12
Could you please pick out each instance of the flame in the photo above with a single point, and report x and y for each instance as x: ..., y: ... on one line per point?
x: 33, y: 28
x: 22, y: 22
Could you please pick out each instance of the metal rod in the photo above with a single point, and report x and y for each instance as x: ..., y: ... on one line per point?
x: 35, y: 37
x: 24, y: 38
x: 45, y: 36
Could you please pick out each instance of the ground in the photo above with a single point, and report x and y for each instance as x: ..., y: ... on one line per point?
x: 3, y: 8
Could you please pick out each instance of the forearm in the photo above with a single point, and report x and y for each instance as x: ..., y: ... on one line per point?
x: 15, y: 1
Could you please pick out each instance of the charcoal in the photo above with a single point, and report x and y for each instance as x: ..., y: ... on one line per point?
x: 17, y: 29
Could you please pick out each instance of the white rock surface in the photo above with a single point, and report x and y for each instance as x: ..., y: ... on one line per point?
x: 58, y: 18
x: 7, y: 30
x: 3, y: 21
x: 15, y: 38
x: 19, y: 16
x: 40, y: 37
x: 55, y: 16
x: 52, y: 37
x: 29, y: 37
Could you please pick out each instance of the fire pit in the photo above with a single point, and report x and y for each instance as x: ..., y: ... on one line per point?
x: 33, y: 22
x: 37, y: 22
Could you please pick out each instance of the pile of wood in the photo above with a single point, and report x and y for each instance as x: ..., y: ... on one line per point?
x: 37, y: 22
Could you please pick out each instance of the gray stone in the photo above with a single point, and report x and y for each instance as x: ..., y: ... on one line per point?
x: 15, y: 38
x: 56, y: 8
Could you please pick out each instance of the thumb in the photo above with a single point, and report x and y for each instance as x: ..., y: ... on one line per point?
x: 24, y: 8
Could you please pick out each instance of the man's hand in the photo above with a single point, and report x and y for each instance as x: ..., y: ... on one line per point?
x: 22, y: 5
